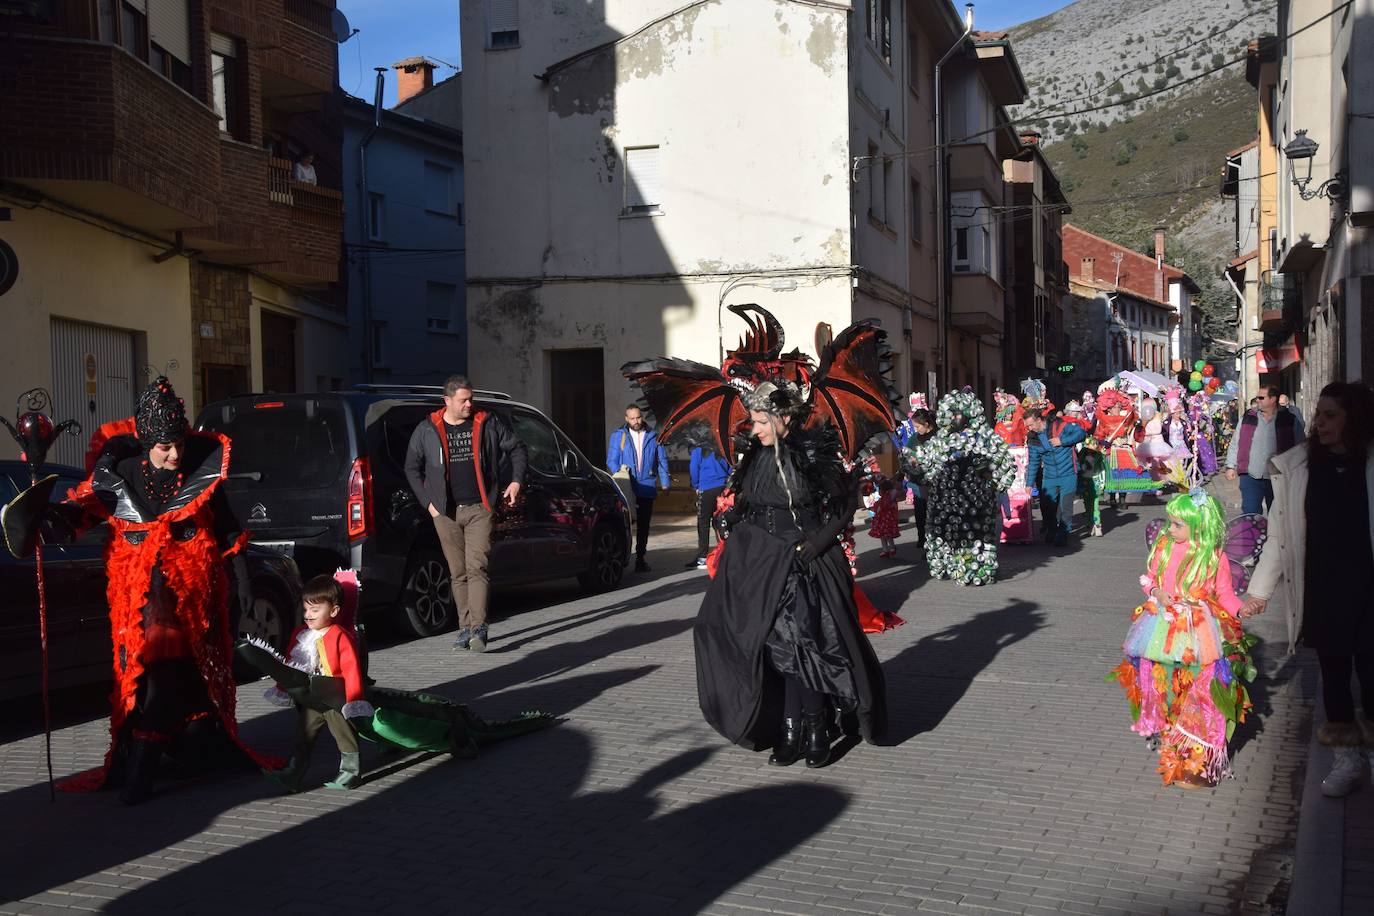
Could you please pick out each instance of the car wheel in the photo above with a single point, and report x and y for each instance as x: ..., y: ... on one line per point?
x: 608, y: 561
x: 270, y: 619
x: 427, y: 600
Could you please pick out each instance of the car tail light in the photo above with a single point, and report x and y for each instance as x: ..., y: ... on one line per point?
x: 358, y: 510
x: 268, y: 405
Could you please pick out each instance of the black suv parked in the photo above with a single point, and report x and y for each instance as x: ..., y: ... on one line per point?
x: 321, y: 477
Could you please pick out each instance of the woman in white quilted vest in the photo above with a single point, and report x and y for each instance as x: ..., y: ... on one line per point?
x: 1321, y: 544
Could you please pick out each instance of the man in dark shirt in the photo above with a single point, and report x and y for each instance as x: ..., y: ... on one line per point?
x: 457, y: 464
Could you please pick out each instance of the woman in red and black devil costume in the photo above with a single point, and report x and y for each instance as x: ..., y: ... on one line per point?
x: 157, y: 484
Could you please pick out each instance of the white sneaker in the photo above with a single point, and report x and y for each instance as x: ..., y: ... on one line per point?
x: 1344, y: 777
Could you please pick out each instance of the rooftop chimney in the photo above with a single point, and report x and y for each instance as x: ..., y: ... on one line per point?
x: 1159, y: 246
x: 1090, y: 270
x: 413, y: 76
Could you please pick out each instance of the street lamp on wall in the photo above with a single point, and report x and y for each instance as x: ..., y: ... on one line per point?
x: 1304, y: 147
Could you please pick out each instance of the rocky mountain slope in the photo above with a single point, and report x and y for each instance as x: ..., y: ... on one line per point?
x: 1138, y: 107
x: 1124, y: 56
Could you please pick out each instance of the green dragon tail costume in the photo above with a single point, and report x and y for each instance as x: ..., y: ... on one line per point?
x: 409, y: 720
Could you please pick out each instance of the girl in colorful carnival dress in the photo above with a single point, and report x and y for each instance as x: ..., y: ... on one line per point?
x: 964, y: 465
x: 884, y: 524
x: 1187, y: 658
x: 1154, y: 452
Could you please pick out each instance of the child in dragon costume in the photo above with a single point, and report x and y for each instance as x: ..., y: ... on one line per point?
x: 325, y: 679
x: 965, y: 465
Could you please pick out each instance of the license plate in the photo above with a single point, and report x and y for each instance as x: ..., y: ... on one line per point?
x: 285, y: 548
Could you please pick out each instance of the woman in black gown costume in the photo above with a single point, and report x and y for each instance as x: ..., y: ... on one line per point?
x: 778, y: 639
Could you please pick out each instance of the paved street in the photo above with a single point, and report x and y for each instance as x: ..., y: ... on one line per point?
x: 1012, y: 783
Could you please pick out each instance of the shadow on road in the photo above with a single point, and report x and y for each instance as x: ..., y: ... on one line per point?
x: 927, y: 680
x: 512, y: 834
x: 1276, y: 668
x: 44, y: 855
x: 536, y: 632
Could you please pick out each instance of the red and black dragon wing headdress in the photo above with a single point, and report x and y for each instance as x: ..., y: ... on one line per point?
x: 700, y: 405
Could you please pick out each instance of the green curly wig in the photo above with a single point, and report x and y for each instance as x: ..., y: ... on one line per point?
x: 1206, y: 531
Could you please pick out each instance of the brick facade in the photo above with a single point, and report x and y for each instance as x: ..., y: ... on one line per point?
x: 220, y: 301
x: 81, y: 111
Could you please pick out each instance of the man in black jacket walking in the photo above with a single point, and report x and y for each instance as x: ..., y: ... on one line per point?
x: 456, y: 463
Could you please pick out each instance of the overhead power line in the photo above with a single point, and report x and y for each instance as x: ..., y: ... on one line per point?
x: 1013, y: 122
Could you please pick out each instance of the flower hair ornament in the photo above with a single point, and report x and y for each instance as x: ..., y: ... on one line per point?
x: 1035, y: 399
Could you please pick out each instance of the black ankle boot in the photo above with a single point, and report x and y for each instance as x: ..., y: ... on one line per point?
x: 141, y: 771
x: 788, y: 748
x: 816, y: 740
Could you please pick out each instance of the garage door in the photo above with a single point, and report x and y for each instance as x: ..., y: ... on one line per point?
x: 93, y: 381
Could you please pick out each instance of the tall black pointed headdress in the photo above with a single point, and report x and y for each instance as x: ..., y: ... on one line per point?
x: 161, y: 415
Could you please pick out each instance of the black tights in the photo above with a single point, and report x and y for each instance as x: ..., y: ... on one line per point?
x: 799, y: 699
x: 1336, y: 693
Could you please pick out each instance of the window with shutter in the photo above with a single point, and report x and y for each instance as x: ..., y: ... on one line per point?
x: 169, y: 27
x: 224, y: 84
x: 439, y: 300
x: 438, y: 188
x: 643, y: 180
x: 503, y: 24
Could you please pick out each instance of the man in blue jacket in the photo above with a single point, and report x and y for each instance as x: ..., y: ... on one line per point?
x: 709, y: 473
x: 1051, y: 451
x: 635, y: 448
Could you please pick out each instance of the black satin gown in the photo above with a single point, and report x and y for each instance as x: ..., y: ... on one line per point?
x: 765, y: 616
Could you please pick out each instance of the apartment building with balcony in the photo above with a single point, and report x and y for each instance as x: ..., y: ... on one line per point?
x: 981, y: 81
x: 146, y: 166
x: 1035, y: 339
x: 1316, y: 116
x: 1241, y: 187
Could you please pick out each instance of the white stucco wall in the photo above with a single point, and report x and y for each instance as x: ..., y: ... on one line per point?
x: 760, y: 186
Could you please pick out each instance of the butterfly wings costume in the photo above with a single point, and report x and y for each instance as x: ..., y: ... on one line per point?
x: 781, y: 607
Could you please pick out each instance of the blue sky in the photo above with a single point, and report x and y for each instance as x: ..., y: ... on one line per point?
x: 394, y: 29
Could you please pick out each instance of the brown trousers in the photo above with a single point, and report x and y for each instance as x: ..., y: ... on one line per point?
x: 310, y: 722
x: 466, y: 542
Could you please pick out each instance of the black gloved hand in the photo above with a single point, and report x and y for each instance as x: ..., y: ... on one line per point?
x: 723, y: 522
x: 808, y: 550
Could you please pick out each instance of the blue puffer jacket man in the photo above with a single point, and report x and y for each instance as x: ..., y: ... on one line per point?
x: 635, y: 446
x: 1051, y: 451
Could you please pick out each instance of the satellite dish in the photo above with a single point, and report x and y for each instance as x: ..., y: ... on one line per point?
x: 342, y: 30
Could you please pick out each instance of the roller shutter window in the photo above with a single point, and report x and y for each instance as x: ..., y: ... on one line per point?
x: 503, y: 24
x: 224, y: 86
x: 169, y: 26
x: 643, y: 180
